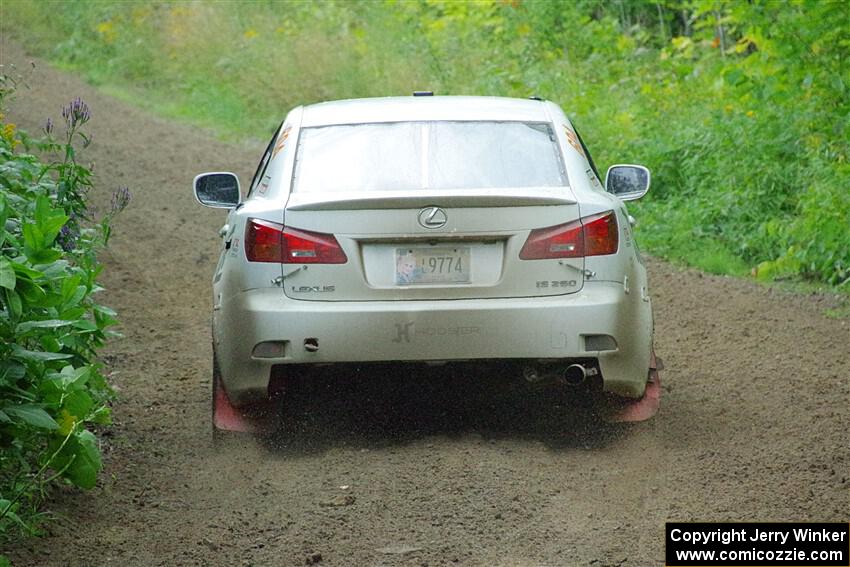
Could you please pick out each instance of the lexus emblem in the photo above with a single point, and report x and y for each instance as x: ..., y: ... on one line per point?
x: 433, y: 217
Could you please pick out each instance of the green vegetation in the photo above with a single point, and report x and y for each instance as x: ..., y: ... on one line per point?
x: 52, y: 389
x: 741, y: 109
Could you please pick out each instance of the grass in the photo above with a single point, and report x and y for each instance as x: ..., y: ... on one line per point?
x: 749, y: 147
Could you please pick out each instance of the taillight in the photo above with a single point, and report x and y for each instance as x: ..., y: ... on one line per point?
x: 595, y: 235
x: 263, y: 241
x: 304, y: 247
x: 267, y: 241
x: 562, y: 241
x: 601, y: 235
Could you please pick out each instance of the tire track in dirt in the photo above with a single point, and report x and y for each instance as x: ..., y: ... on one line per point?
x: 752, y: 426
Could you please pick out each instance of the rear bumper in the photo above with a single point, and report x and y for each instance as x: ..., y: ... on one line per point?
x: 519, y: 328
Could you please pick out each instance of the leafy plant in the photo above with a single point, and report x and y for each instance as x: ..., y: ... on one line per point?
x: 53, y: 393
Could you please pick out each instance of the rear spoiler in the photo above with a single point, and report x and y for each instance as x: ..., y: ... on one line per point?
x: 424, y: 198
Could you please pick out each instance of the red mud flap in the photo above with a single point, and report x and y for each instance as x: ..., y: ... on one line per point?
x: 257, y: 418
x: 645, y: 407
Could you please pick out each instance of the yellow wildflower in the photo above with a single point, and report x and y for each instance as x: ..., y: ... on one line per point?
x: 181, y: 11
x: 66, y: 422
x: 8, y: 134
x: 107, y: 31
x: 139, y: 15
x: 250, y: 34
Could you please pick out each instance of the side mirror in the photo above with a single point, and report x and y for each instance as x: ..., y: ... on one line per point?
x: 628, y: 182
x: 219, y: 190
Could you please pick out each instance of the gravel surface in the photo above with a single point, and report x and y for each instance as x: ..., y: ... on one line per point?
x: 400, y: 467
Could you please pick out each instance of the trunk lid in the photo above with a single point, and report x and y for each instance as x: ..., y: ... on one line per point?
x: 422, y: 245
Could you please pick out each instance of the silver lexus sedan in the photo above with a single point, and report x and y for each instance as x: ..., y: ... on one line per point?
x: 429, y: 229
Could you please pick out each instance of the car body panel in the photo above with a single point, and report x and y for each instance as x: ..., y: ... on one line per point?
x: 399, y: 109
x: 518, y: 328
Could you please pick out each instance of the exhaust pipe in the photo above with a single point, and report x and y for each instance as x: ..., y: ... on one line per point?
x: 575, y: 374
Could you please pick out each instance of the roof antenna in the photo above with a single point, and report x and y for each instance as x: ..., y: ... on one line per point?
x: 423, y: 93
x: 534, y: 97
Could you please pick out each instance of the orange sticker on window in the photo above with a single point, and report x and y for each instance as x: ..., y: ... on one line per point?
x: 572, y: 138
x: 281, y: 143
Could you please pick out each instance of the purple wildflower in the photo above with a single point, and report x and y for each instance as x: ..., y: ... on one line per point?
x: 67, y: 236
x: 120, y: 199
x: 48, y: 127
x: 76, y: 113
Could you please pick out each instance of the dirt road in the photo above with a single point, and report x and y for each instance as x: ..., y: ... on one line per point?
x: 425, y: 469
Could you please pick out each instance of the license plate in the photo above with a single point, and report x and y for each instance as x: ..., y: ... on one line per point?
x: 432, y: 265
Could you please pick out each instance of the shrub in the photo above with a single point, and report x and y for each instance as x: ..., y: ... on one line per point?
x: 53, y: 393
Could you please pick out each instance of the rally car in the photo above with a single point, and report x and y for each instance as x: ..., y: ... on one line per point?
x: 429, y: 229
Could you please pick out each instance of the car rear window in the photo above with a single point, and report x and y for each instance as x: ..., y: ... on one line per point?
x: 404, y: 156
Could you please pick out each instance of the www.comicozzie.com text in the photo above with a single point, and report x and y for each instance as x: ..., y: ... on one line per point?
x: 726, y: 536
